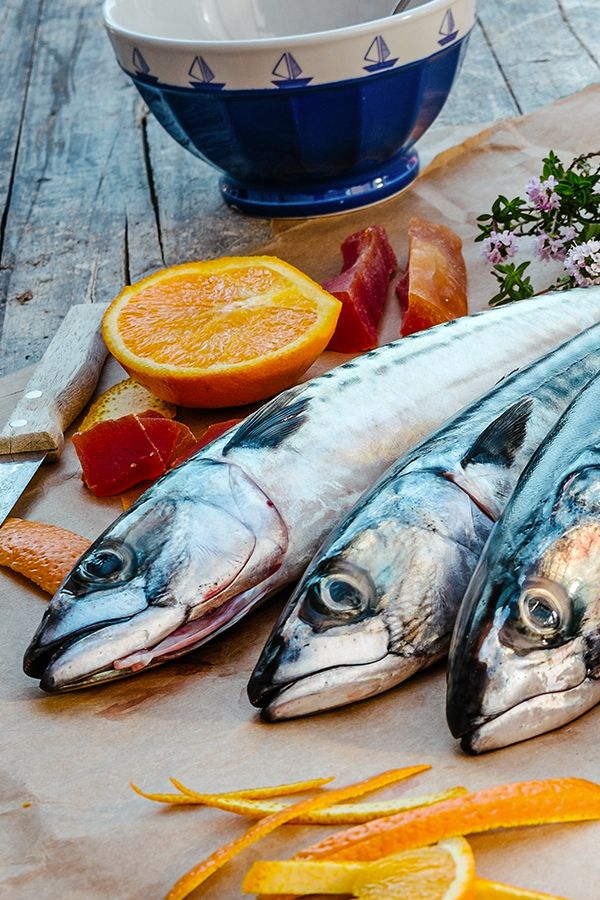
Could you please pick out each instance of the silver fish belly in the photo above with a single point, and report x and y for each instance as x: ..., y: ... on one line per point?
x: 525, y: 656
x: 243, y: 517
x: 379, y: 600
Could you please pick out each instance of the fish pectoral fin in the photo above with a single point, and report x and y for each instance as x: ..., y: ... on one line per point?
x: 272, y: 423
x: 501, y: 440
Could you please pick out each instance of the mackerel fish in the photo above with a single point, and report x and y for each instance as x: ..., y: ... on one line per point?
x: 379, y: 601
x: 243, y: 517
x: 525, y: 656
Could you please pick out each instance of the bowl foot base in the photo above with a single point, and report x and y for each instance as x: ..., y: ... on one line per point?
x: 337, y: 196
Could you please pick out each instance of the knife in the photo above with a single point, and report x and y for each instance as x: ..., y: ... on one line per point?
x: 63, y: 382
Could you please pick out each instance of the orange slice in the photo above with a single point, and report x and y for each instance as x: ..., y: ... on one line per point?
x: 43, y: 553
x: 123, y: 399
x: 504, y: 806
x: 445, y: 871
x: 220, y: 333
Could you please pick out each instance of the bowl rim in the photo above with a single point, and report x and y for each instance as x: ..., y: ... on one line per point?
x: 295, y: 40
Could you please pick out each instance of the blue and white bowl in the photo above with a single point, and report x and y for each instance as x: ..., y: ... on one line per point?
x: 300, y: 124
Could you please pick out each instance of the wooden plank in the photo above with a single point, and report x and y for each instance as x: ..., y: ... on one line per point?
x: 17, y: 17
x: 80, y: 219
x: 481, y: 93
x: 194, y: 221
x: 582, y: 18
x: 541, y: 57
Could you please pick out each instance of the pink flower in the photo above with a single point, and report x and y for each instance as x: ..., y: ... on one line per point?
x: 499, y: 246
x: 582, y: 262
x: 542, y: 195
x: 549, y: 246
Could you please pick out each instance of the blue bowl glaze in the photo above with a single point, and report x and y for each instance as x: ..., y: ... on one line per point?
x: 283, y: 154
x: 297, y: 141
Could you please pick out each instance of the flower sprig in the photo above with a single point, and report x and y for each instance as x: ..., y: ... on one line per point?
x: 561, y: 210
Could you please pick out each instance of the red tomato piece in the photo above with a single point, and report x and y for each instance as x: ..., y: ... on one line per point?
x: 433, y: 288
x: 368, y: 263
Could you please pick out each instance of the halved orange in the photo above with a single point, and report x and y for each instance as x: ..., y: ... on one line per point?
x: 223, y: 332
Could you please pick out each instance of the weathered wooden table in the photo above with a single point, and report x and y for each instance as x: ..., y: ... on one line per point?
x: 94, y: 194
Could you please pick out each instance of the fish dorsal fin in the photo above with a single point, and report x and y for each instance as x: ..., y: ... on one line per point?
x: 501, y: 440
x: 271, y: 424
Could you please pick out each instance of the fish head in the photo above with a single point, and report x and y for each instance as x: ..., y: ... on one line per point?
x: 182, y: 563
x: 525, y: 655
x: 376, y: 605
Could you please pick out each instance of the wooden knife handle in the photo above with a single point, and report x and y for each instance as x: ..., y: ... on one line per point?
x: 63, y: 382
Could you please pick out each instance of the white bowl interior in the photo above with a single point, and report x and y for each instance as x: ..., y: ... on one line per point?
x: 233, y: 20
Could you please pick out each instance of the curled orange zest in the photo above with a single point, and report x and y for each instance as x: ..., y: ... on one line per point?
x: 284, y: 789
x: 203, y: 870
x: 503, y: 806
x: 340, y: 814
x: 193, y: 798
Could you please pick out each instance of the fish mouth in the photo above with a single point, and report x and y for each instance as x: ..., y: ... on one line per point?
x: 327, y: 688
x: 38, y: 657
x: 530, y: 718
x: 56, y: 664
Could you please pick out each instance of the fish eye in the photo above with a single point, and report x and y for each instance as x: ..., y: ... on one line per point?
x: 343, y: 595
x: 109, y: 562
x: 543, y: 611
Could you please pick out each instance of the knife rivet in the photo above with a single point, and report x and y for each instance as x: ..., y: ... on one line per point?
x: 33, y: 395
x: 17, y: 423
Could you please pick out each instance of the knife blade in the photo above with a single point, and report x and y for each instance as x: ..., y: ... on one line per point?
x: 63, y: 382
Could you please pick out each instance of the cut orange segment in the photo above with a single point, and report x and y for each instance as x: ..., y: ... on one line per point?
x: 493, y: 890
x: 269, y: 878
x: 504, y: 806
x: 43, y: 553
x: 272, y: 878
x: 123, y: 399
x: 441, y: 872
x: 203, y: 870
x: 222, y: 332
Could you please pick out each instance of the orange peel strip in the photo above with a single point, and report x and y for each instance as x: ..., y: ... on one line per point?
x: 494, y: 890
x: 204, y: 869
x: 503, y: 806
x: 189, y: 798
x: 43, y: 553
x: 173, y: 799
x: 344, y: 814
x: 284, y: 789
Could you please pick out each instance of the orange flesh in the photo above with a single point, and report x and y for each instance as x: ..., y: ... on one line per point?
x: 215, y: 317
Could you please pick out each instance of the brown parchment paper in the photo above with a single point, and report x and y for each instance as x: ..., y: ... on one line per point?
x: 70, y: 826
